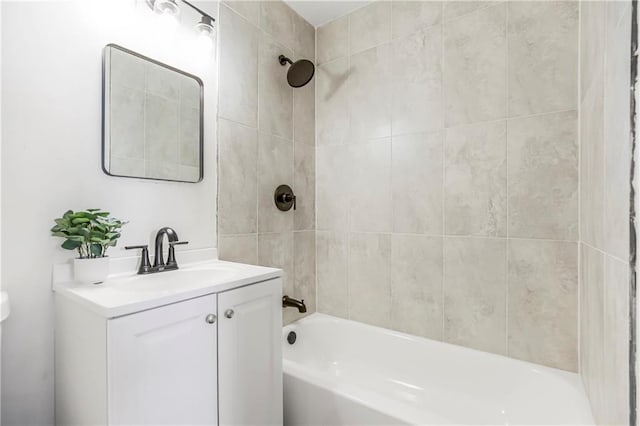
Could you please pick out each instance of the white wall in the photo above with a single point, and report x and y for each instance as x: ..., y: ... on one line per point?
x: 51, y: 136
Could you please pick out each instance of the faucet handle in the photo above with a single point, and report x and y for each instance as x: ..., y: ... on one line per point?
x: 145, y: 265
x: 171, y: 259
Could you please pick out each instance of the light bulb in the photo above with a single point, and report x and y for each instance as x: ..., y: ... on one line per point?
x: 205, y: 42
x: 206, y: 33
x: 166, y: 7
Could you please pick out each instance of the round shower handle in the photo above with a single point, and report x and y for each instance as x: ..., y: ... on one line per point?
x: 284, y: 198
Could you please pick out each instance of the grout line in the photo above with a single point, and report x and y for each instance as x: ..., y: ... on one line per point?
x: 491, y: 3
x: 625, y: 261
x: 391, y: 210
x: 259, y: 30
x: 348, y: 215
x: 506, y: 160
x: 452, y: 236
x: 315, y: 167
x: 604, y: 349
x: 633, y: 377
x: 580, y: 183
x: 444, y: 174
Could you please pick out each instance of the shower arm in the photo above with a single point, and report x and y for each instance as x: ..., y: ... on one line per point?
x: 284, y: 60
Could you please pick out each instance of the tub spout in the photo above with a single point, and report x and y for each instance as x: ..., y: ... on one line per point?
x: 295, y: 303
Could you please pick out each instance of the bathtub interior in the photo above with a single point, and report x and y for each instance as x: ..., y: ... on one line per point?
x: 420, y: 381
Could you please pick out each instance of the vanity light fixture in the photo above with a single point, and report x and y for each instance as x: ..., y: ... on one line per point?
x: 205, y: 29
x: 161, y: 7
x: 170, y: 8
x: 168, y: 11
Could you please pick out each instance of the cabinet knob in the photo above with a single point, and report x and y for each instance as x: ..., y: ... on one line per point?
x: 211, y: 319
x: 229, y: 313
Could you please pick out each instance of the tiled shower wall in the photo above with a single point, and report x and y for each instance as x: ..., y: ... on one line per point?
x: 447, y: 173
x: 604, y: 249
x: 266, y: 138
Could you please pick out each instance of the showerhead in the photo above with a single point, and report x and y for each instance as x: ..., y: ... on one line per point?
x: 300, y: 72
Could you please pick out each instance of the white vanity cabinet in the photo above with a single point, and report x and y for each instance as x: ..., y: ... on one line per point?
x: 162, y: 365
x: 250, y: 355
x: 214, y: 359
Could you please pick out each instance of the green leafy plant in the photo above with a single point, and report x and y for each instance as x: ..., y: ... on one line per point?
x: 91, y: 232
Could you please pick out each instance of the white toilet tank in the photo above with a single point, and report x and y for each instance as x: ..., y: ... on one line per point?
x: 4, y: 313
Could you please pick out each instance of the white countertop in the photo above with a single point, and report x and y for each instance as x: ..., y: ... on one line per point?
x: 128, y: 293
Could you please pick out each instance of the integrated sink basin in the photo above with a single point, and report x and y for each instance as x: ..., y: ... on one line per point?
x: 171, y: 281
x: 127, y: 293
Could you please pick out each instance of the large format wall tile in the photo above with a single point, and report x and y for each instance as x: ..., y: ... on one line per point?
x: 277, y: 20
x: 304, y: 172
x: 409, y: 16
x: 369, y: 26
x: 593, y: 32
x: 416, y: 285
x: 476, y: 180
x: 455, y: 9
x: 617, y: 131
x: 276, y: 250
x: 304, y: 44
x: 605, y: 176
x: 275, y: 100
x: 331, y: 258
x: 333, y: 40
x: 253, y: 86
x: 543, y: 176
x: 250, y: 10
x: 616, y: 341
x: 592, y: 163
x: 332, y: 117
x: 370, y: 187
x: 417, y: 82
x: 304, y: 270
x: 369, y: 279
x: 333, y: 172
x: 543, y: 56
x: 238, y: 180
x: 543, y: 302
x: 239, y: 248
x: 476, y: 66
x: 304, y: 114
x: 369, y: 101
x: 275, y: 168
x: 238, y: 91
x: 416, y: 159
x: 438, y: 81
x: 475, y: 293
x: 592, y: 361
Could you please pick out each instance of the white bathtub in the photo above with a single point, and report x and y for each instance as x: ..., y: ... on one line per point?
x: 341, y: 372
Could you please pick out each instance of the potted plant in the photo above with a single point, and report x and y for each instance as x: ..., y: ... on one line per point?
x: 91, y: 232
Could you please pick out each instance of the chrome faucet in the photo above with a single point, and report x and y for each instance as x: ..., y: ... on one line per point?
x: 295, y: 303
x: 159, y: 264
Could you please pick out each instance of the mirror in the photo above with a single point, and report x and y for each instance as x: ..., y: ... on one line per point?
x: 152, y: 119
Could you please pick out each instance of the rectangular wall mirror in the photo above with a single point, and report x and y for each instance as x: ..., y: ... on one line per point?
x: 152, y: 119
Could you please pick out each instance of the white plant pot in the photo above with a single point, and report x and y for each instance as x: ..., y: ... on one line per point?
x: 91, y: 271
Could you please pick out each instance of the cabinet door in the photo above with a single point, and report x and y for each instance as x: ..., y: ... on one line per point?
x: 162, y: 365
x: 250, y: 355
